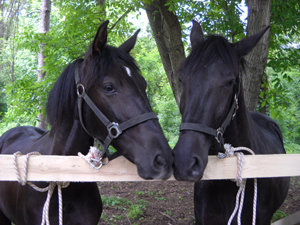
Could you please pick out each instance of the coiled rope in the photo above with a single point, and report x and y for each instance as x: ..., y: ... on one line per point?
x: 50, y: 188
x: 240, y: 182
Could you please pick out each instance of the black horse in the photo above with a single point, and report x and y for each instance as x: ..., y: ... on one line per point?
x: 109, y: 78
x: 212, y: 97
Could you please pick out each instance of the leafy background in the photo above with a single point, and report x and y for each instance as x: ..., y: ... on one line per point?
x: 74, y: 23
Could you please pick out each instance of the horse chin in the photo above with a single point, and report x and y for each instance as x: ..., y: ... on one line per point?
x: 189, y: 169
x: 153, y: 173
x: 152, y: 167
x: 192, y: 176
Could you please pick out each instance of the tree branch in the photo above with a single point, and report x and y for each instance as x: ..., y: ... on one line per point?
x: 125, y: 14
x: 36, y: 11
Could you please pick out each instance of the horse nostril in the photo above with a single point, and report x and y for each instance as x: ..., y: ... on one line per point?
x: 159, y: 161
x: 196, y: 167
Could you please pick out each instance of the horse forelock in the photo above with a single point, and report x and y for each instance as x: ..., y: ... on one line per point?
x: 100, y: 64
x: 206, y: 52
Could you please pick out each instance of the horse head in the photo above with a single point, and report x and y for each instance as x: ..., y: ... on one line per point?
x: 211, y: 85
x: 113, y: 106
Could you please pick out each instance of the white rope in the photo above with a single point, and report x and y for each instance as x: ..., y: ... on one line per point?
x: 50, y: 188
x: 240, y: 182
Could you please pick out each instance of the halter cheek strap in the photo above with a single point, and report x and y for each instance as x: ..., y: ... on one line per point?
x: 113, y: 128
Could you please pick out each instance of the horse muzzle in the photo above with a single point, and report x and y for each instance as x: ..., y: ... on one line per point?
x: 190, y: 159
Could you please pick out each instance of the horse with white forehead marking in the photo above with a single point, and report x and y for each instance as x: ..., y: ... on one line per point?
x: 120, y: 114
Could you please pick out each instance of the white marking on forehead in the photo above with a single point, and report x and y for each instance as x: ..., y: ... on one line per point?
x: 128, y: 71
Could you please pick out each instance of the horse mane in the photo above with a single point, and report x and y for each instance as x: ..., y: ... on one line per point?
x: 62, y: 97
x: 209, y: 50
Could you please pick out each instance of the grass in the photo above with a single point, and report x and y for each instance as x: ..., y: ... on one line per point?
x: 278, y: 215
x: 132, y: 210
x: 159, y: 197
x: 135, y: 211
x: 141, y: 193
x: 115, y: 201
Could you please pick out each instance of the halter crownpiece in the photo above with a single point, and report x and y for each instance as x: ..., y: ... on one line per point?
x: 114, y: 129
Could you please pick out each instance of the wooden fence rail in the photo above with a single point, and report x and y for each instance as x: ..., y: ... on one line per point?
x: 75, y: 169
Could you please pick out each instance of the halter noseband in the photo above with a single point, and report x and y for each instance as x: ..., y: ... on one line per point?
x: 219, y: 132
x: 114, y: 129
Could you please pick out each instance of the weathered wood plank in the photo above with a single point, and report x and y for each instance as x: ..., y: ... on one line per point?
x: 74, y: 168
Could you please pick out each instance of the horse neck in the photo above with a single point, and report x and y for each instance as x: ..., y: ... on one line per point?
x: 69, y: 139
x: 240, y: 130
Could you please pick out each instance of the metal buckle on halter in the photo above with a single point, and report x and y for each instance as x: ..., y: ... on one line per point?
x: 113, y: 130
x: 219, y: 135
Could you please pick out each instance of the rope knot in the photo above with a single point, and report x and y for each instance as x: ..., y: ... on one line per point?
x: 94, y: 157
x: 50, y: 188
x: 229, y: 152
x: 240, y: 182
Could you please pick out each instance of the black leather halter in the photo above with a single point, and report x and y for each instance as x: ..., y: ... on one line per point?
x: 114, y: 129
x: 219, y: 132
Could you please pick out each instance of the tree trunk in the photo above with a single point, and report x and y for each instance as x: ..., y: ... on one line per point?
x: 167, y: 34
x: 264, y: 97
x: 258, y: 18
x: 44, y: 27
x: 9, y: 16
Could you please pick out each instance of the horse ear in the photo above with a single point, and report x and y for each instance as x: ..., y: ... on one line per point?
x: 128, y: 45
x: 100, y: 38
x: 196, y: 34
x: 244, y: 46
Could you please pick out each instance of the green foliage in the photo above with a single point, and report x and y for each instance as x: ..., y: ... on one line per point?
x: 215, y: 16
x: 132, y: 210
x: 115, y: 201
x: 278, y: 215
x: 74, y: 24
x: 135, y: 211
x: 3, y: 105
x: 284, y: 46
x: 141, y: 193
x: 282, y: 101
x: 18, y: 86
x: 158, y: 88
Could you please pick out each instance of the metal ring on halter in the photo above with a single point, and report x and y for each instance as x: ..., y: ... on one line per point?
x: 78, y: 92
x: 219, y: 135
x: 113, y: 130
x: 236, y: 106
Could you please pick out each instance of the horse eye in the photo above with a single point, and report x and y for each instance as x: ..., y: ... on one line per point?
x: 230, y: 83
x: 108, y: 88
